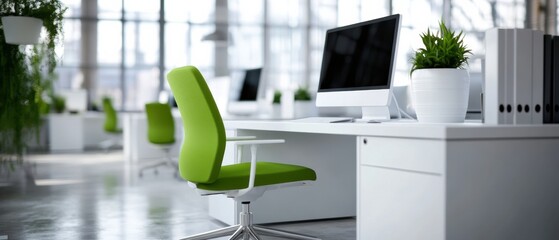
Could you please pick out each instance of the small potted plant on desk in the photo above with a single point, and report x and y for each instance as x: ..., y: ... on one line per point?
x: 440, y: 84
x: 302, y: 104
x: 59, y: 103
x: 304, y: 107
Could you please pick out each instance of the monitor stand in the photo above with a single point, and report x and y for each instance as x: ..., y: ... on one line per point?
x: 374, y: 114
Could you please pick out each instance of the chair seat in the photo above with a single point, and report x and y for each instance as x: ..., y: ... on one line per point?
x: 236, y: 176
x: 114, y: 131
x: 167, y: 143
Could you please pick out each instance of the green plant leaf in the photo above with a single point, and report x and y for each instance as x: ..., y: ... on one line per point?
x: 443, y: 49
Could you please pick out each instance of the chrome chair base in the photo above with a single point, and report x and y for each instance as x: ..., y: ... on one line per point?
x: 167, y: 162
x: 246, y: 230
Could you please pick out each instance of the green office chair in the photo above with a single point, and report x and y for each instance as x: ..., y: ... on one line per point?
x: 202, y: 154
x: 111, y: 125
x: 161, y: 133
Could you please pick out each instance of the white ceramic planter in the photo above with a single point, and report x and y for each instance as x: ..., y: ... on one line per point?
x: 22, y: 30
x: 305, y: 109
x: 440, y: 95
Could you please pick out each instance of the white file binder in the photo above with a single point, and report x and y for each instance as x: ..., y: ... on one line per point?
x: 513, y: 76
x: 537, y: 77
x: 522, y: 76
x: 509, y: 75
x: 494, y: 80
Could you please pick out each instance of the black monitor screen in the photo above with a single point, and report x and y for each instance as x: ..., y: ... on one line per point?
x: 359, y: 56
x: 249, y: 91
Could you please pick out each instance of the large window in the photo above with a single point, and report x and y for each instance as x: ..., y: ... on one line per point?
x: 124, y: 48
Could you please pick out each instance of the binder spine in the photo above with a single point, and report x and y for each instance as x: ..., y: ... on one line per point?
x: 547, y: 79
x: 555, y: 83
x: 509, y: 78
x: 537, y: 77
x: 522, y: 77
x: 494, y: 80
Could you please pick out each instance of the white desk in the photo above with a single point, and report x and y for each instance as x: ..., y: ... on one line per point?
x: 414, y: 181
x: 94, y: 132
x: 66, y: 132
x: 135, y: 143
x: 76, y: 132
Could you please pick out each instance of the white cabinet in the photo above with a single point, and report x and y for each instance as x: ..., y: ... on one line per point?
x: 399, y: 198
x: 412, y: 188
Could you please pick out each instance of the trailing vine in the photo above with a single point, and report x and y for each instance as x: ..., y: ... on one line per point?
x: 23, y: 79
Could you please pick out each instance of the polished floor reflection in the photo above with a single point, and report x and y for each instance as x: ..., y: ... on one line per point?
x: 97, y: 195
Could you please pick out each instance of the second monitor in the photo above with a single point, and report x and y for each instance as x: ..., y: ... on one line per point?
x: 246, y: 101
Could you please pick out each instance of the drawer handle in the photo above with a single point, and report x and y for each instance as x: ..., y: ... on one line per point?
x: 364, y: 141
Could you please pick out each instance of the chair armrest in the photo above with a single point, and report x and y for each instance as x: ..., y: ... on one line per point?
x: 239, y: 138
x: 260, y: 141
x: 253, y: 147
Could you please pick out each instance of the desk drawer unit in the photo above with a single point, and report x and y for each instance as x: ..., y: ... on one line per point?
x: 406, y: 154
x: 400, y: 188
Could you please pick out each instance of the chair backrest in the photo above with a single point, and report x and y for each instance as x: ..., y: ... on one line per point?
x: 111, y: 122
x: 204, y: 134
x: 161, y: 125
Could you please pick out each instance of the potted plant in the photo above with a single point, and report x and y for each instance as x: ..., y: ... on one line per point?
x: 302, y: 105
x: 14, y: 24
x: 440, y: 84
x: 277, y: 97
x: 302, y: 94
x: 25, y: 73
x: 59, y: 103
x: 31, y: 15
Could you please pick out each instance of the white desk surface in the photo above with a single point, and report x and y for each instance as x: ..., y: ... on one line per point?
x: 404, y: 128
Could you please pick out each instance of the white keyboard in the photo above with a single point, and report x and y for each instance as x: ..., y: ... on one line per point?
x: 321, y: 119
x: 348, y: 120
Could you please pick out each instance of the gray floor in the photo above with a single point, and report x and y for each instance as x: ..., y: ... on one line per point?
x: 98, y: 196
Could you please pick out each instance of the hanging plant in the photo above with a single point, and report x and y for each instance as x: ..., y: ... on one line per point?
x: 26, y: 73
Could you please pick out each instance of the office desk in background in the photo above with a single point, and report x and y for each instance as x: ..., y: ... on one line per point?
x: 411, y: 180
x: 75, y: 132
x: 136, y: 146
x: 66, y: 132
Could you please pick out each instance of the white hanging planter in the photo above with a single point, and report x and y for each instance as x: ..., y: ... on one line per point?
x: 440, y: 95
x: 22, y: 30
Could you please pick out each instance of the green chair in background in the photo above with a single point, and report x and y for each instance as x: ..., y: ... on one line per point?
x: 202, y: 154
x: 111, y: 125
x: 161, y: 133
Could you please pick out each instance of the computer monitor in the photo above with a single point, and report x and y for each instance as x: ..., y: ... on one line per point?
x: 358, y: 67
x: 245, y: 101
x: 249, y: 91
